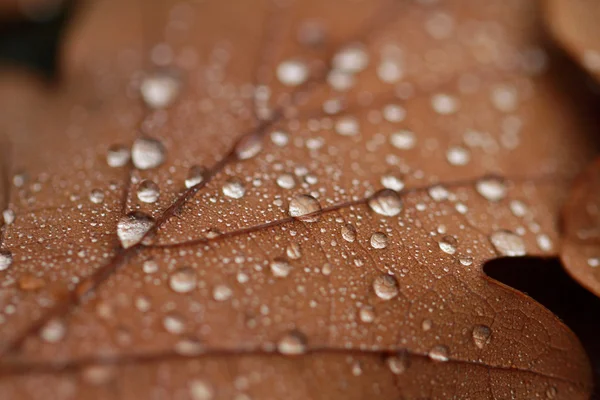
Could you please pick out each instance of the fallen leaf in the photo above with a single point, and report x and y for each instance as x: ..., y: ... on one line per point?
x: 290, y: 200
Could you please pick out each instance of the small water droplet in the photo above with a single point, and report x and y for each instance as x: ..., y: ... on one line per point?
x: 397, y: 363
x: 439, y: 353
x: 292, y: 72
x: 403, y: 139
x: 438, y: 193
x: 508, y: 243
x: 458, y: 155
x: 280, y: 268
x: 448, y: 244
x: 147, y: 153
x: 150, y: 266
x: 518, y: 208
x: 349, y: 233
x: 445, y: 104
x: 6, y: 259
x: 394, y: 113
x: 293, y: 251
x: 426, y: 325
x: 392, y: 182
x: 188, y: 347
x: 292, y: 343
x: 302, y: 206
x: 286, y: 181
x: 366, y: 314
x: 96, y: 196
x: 160, y: 89
x: 386, y: 202
x: 201, y: 390
x: 183, y: 280
x: 148, y: 191
x: 117, y: 156
x: 54, y: 331
x: 352, y: 58
x: 481, y: 335
x: 280, y: 138
x: 386, y: 287
x: 195, y: 176
x: 379, y: 240
x: 174, y: 324
x: 132, y: 228
x: 234, y: 188
x: 544, y: 242
x: 593, y: 262
x: 466, y: 260
x: 311, y: 33
x: 491, y: 188
x: 347, y: 126
x: 222, y: 293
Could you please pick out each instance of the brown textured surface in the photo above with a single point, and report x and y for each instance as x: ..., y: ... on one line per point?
x: 69, y: 265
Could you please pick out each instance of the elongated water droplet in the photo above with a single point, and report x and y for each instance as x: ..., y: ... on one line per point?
x: 183, y: 280
x: 147, y: 153
x: 159, y: 90
x: 379, y: 240
x: 492, y: 189
x: 508, y: 243
x: 292, y: 343
x: 349, y: 233
x: 195, y: 176
x: 132, y: 228
x: 386, y: 287
x: 386, y: 202
x: 148, y: 191
x: 6, y: 259
x: 117, y: 156
x: 439, y: 353
x: 481, y: 335
x: 234, y: 188
x: 292, y: 72
x: 302, y: 206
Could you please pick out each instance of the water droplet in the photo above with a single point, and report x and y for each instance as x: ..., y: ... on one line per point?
x: 150, y: 266
x: 159, y: 90
x: 174, y: 324
x: 392, y: 182
x: 518, y: 208
x: 293, y: 251
x: 132, y: 228
x: 386, y: 202
x: 147, y: 153
x: 386, y: 287
x: 492, y: 189
x: 426, y: 325
x: 356, y: 368
x: 280, y: 138
x: 403, y: 139
x: 394, y: 113
x: 286, y: 181
x: 397, y: 363
x: 352, y: 58
x: 448, y: 244
x: 302, y: 206
x: 248, y: 147
x: 98, y: 375
x: 551, y: 392
x: 195, y: 176
x: 349, y: 233
x: 347, y: 126
x: 438, y: 193
x: 183, y: 280
x: 379, y: 240
x: 593, y: 262
x: 458, y: 155
x: 117, y: 156
x: 544, y: 242
x: 444, y: 104
x: 311, y: 33
x: 366, y: 314
x: 6, y: 259
x: 466, y: 260
x: 481, y: 335
x: 280, y: 268
x: 234, y: 188
x: 200, y: 390
x: 54, y: 331
x: 439, y: 353
x: 292, y: 72
x: 508, y: 243
x: 96, y: 196
x: 504, y: 98
x: 222, y: 293
x: 292, y: 343
x: 188, y: 347
x: 148, y: 191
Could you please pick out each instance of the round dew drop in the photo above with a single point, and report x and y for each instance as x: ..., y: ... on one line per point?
x: 148, y: 191
x: 292, y: 73
x: 160, y: 90
x: 386, y: 287
x: 386, y: 202
x: 234, y: 188
x: 293, y: 343
x: 147, y: 153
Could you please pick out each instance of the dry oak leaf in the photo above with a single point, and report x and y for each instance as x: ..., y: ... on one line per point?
x: 574, y: 24
x: 268, y: 199
x: 580, y: 250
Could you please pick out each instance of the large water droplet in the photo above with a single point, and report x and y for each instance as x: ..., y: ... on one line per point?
x: 195, y: 176
x: 117, y: 156
x: 379, y: 240
x: 148, y: 191
x: 183, y: 280
x: 302, y: 206
x: 292, y: 343
x: 492, y: 189
x: 349, y: 233
x: 292, y: 72
x: 481, y: 335
x: 439, y: 353
x: 234, y: 188
x: 280, y: 267
x: 6, y: 259
x: 386, y: 202
x: 508, y: 243
x: 386, y: 287
x: 132, y: 228
x: 159, y: 90
x: 448, y: 244
x: 147, y: 153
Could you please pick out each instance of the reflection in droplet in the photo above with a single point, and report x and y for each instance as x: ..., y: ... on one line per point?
x: 481, y: 335
x: 302, y: 206
x: 439, y: 353
x: 508, y: 243
x: 292, y: 343
x: 132, y: 228
x: 222, y: 293
x: 6, y: 259
x: 386, y: 202
x: 234, y: 188
x: 379, y: 240
x: 386, y: 287
x: 174, y: 324
x: 492, y: 189
x: 148, y: 191
x: 147, y: 153
x: 183, y: 280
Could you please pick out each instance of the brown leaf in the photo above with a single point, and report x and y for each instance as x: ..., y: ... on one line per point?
x: 574, y: 24
x: 580, y: 251
x: 314, y: 188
